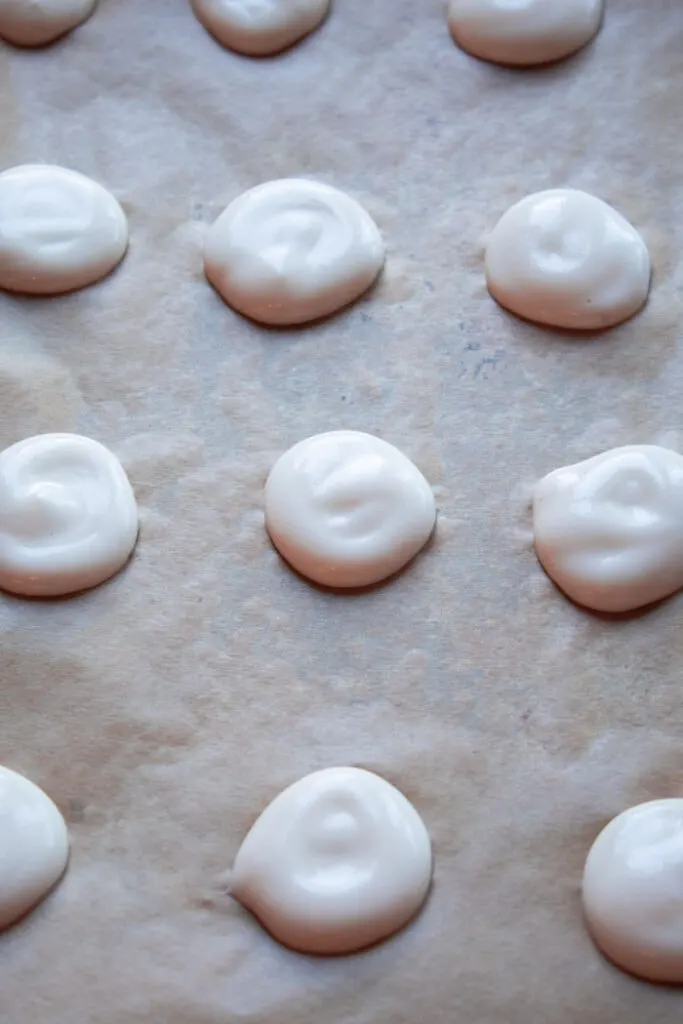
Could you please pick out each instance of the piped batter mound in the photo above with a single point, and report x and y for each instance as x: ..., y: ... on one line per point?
x: 39, y: 22
x: 59, y: 230
x: 609, y: 530
x: 567, y: 259
x: 259, y: 28
x: 338, y: 861
x: 523, y: 32
x: 632, y: 893
x: 68, y: 515
x: 347, y: 509
x: 34, y: 846
x: 292, y: 250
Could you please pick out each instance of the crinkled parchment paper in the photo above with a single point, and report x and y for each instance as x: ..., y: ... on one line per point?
x: 165, y: 709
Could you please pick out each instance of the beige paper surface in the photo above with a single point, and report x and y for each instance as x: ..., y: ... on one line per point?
x: 165, y: 709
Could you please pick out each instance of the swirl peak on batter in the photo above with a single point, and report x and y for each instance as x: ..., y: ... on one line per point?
x: 68, y: 516
x: 292, y: 250
x: 338, y: 861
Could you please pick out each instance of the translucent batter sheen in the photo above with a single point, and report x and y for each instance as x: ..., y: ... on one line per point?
x: 609, y: 530
x: 523, y: 32
x: 335, y: 863
x: 347, y: 509
x: 38, y: 22
x: 632, y: 893
x: 34, y: 846
x: 292, y: 250
x: 59, y: 230
x: 567, y: 259
x: 260, y: 27
x: 68, y: 515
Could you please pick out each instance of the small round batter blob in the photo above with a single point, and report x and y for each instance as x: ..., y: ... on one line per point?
x: 523, y: 32
x: 347, y: 509
x: 259, y: 28
x: 59, y: 230
x: 567, y: 259
x: 34, y: 846
x: 632, y: 892
x: 292, y: 250
x: 38, y: 22
x: 338, y: 861
x: 609, y: 530
x: 68, y: 515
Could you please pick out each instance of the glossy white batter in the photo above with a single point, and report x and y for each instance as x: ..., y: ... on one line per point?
x: 347, y: 509
x: 337, y: 862
x: 633, y: 891
x: 68, y: 516
x: 38, y: 22
x: 523, y: 31
x: 34, y: 846
x: 292, y: 250
x: 567, y: 259
x: 58, y: 230
x: 260, y: 27
x: 609, y: 530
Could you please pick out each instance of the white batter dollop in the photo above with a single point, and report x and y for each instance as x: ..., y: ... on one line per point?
x: 347, y: 509
x: 260, y: 27
x: 34, y: 846
x: 523, y: 32
x: 68, y: 516
x: 292, y: 250
x: 337, y: 862
x: 38, y: 22
x: 609, y: 530
x: 633, y: 891
x: 567, y: 259
x: 58, y: 230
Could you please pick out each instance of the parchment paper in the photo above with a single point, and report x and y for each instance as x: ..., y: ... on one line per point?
x: 164, y: 710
